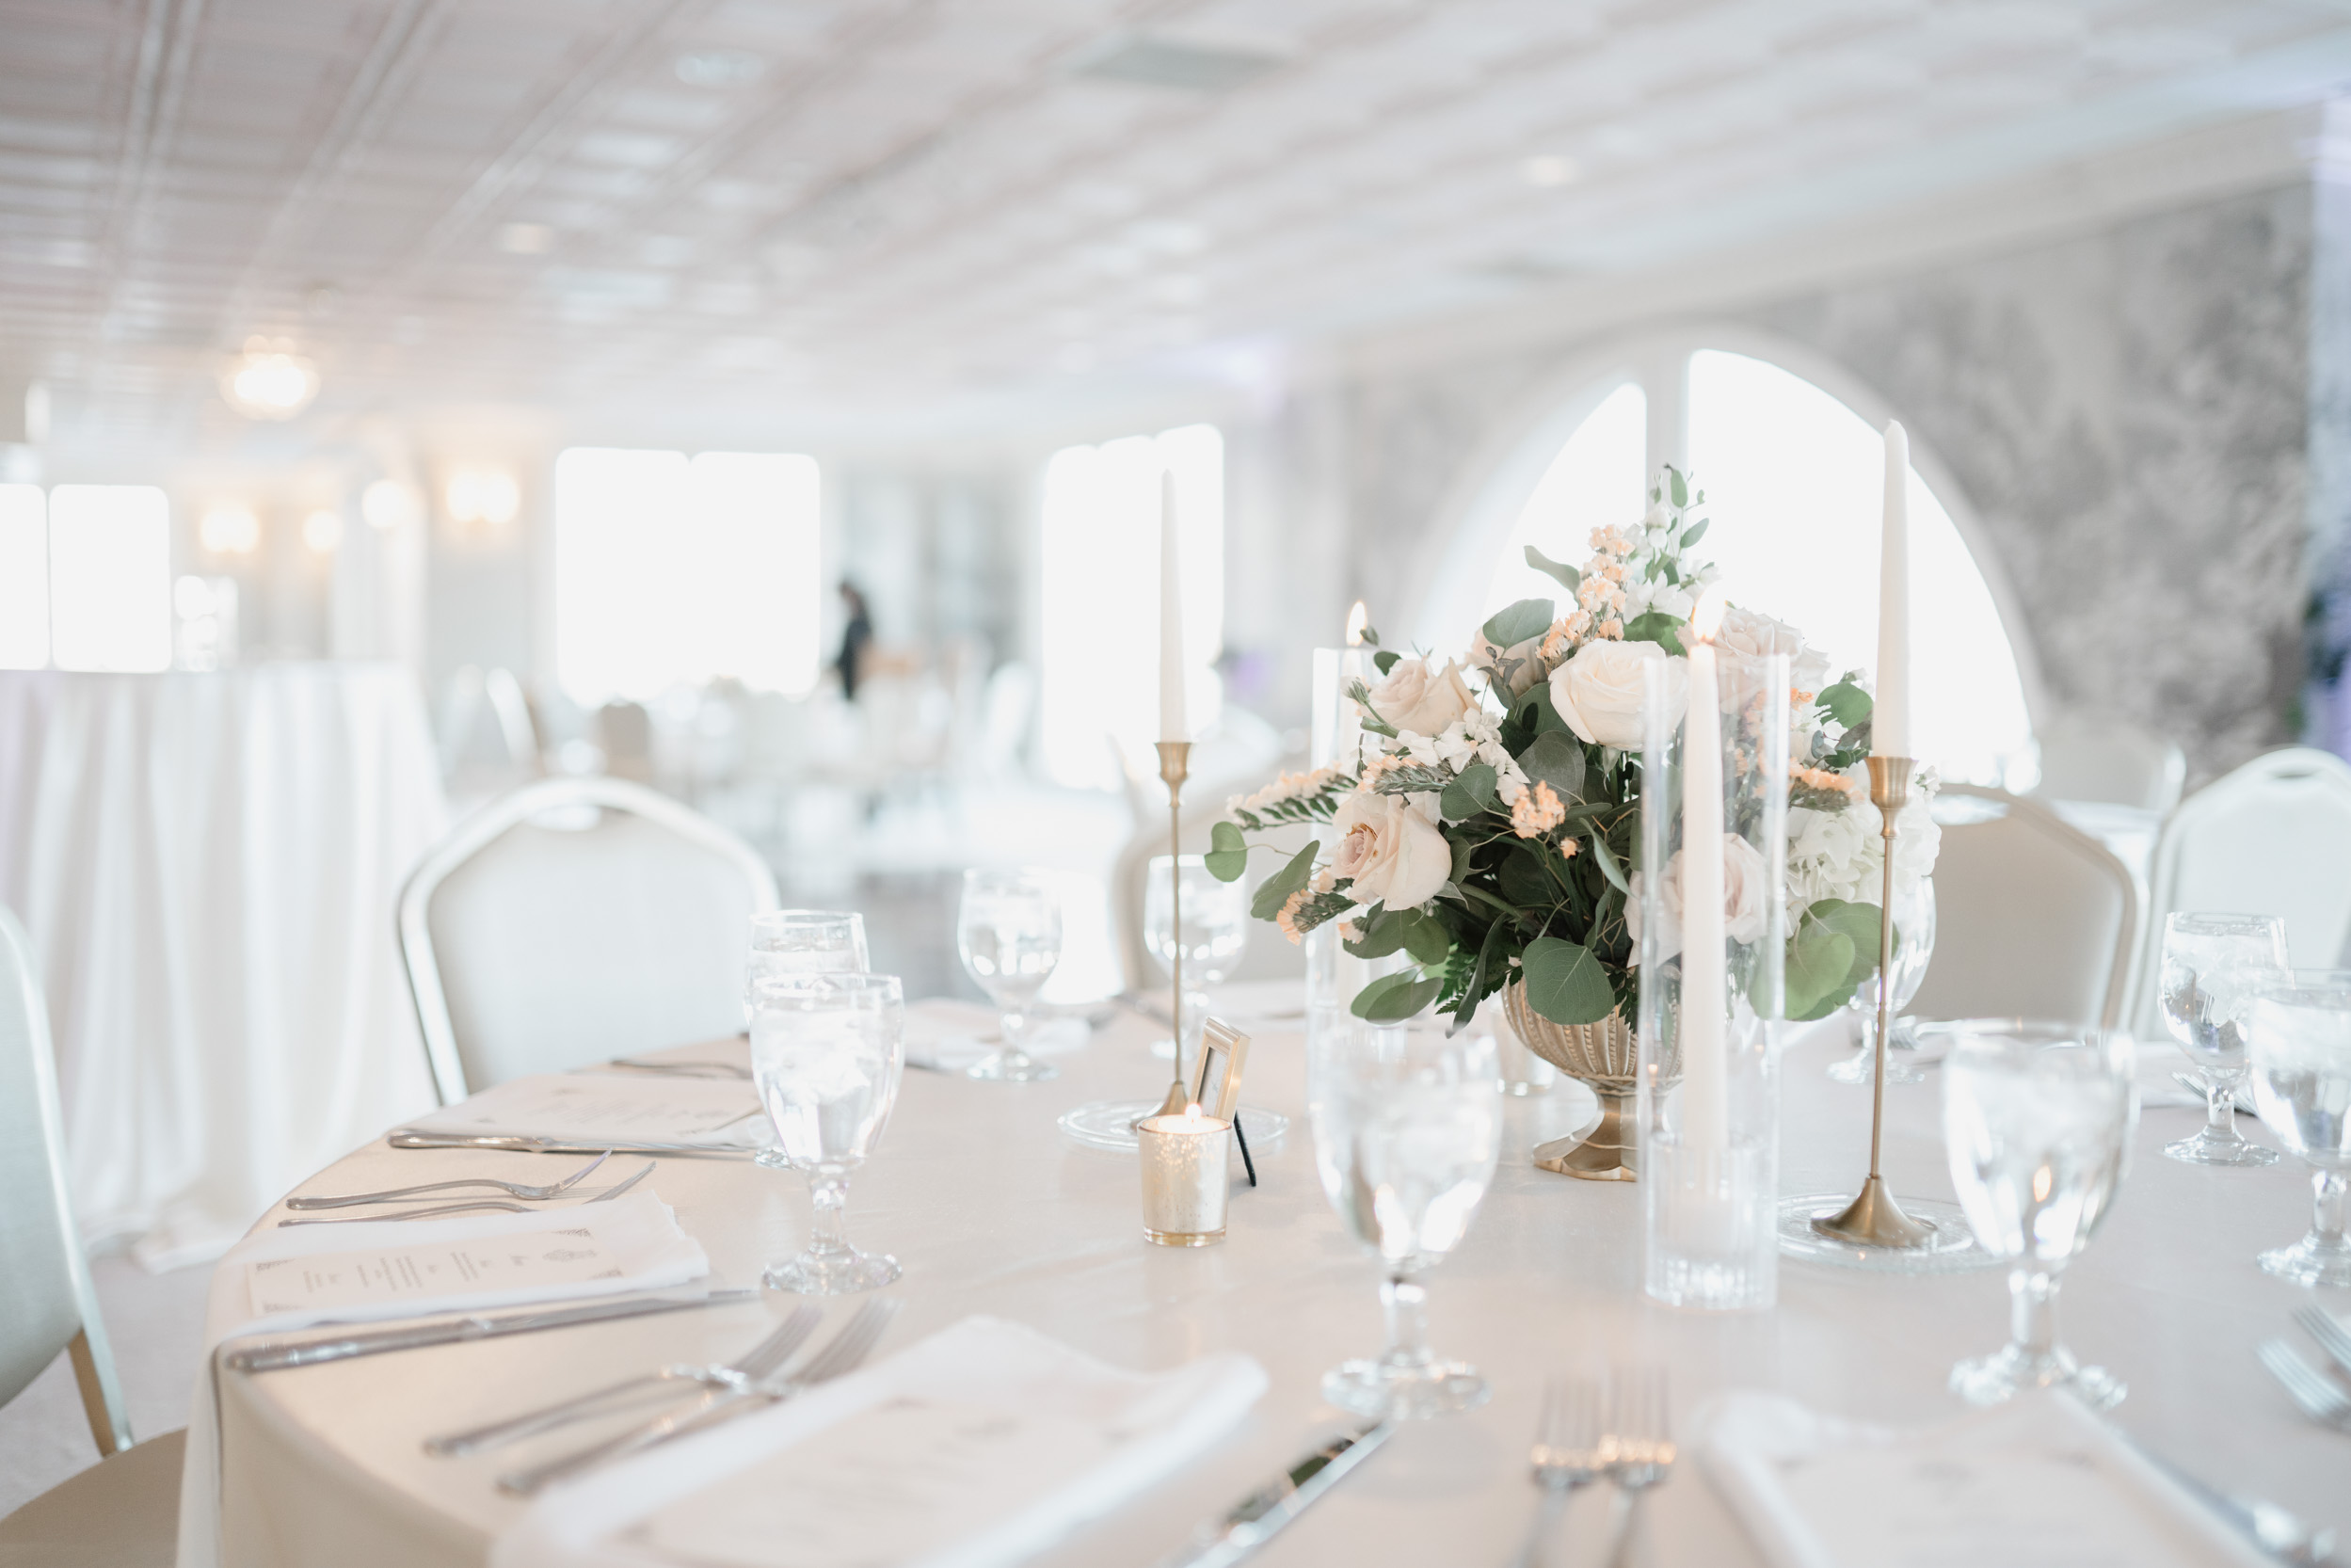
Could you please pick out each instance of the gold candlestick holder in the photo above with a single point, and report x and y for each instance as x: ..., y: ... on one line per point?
x: 1174, y: 767
x: 1873, y: 1218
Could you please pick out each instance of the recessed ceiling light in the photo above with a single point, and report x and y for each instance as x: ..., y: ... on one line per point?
x: 1165, y: 62
x: 1549, y: 169
x: 525, y: 239
x: 719, y: 68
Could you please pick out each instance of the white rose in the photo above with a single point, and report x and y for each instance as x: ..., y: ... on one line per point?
x: 1598, y: 692
x: 1389, y: 847
x: 1742, y: 900
x: 1424, y: 700
x: 1830, y: 854
x: 1747, y: 635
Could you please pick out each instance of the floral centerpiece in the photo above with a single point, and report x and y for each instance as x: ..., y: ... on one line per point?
x: 1487, y: 830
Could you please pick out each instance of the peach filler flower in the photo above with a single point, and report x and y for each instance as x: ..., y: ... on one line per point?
x: 1538, y: 811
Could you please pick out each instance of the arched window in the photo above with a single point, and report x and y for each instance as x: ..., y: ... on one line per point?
x: 1794, y: 481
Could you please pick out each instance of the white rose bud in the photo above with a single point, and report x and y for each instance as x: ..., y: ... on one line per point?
x: 1417, y: 698
x: 1598, y: 692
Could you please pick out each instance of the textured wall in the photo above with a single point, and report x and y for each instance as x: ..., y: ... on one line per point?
x: 2129, y: 412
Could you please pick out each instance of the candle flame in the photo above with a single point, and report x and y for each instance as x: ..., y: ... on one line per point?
x: 1192, y: 1114
x: 1707, y: 619
x: 1357, y: 619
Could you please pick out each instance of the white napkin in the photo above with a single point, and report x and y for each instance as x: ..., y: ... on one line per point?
x: 2038, y: 1482
x: 945, y: 1035
x: 979, y: 1446
x: 640, y: 1233
x: 595, y: 1108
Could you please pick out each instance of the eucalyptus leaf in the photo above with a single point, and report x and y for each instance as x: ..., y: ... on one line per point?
x: 1656, y: 626
x: 1566, y: 982
x: 1229, y: 853
x: 1275, y: 890
x: 1383, y: 934
x: 1696, y: 531
x: 1555, y: 758
x: 1425, y: 936
x: 1847, y: 703
x: 1817, y: 961
x: 1568, y: 576
x: 1471, y: 792
x: 1608, y: 867
x: 1394, y: 998
x: 1370, y: 638
x: 1681, y: 490
x: 1386, y: 660
x: 1516, y: 623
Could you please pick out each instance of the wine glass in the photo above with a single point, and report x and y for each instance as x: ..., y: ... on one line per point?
x: 1009, y: 933
x: 826, y: 1054
x: 2036, y: 1124
x: 1216, y: 930
x: 1407, y: 1127
x: 787, y: 942
x: 2204, y: 1012
x: 2300, y: 1028
x: 1913, y: 947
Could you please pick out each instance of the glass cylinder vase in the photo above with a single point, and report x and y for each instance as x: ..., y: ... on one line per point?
x: 1713, y: 936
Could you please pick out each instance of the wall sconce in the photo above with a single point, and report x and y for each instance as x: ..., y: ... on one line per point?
x: 269, y: 380
x: 323, y: 530
x: 229, y: 529
x: 482, y: 495
x: 387, y: 503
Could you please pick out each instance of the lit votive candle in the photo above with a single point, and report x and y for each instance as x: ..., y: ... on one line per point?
x: 1184, y: 1178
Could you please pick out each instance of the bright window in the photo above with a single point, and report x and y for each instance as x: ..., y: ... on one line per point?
x: 671, y: 571
x: 1101, y: 594
x: 1596, y: 479
x: 109, y: 577
x: 23, y: 577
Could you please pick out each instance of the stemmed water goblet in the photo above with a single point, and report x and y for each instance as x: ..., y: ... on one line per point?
x: 787, y: 942
x: 1407, y: 1127
x: 1216, y: 931
x: 2208, y: 962
x: 2300, y: 1045
x: 2036, y: 1124
x: 827, y: 1051
x: 1009, y: 933
x: 1913, y: 947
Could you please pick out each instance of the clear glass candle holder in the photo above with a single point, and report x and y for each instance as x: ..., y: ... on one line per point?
x: 1187, y: 1177
x: 1708, y: 1097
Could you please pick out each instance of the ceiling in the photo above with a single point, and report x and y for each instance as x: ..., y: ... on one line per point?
x: 805, y: 213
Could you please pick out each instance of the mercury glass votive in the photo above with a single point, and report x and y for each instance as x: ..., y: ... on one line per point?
x: 1185, y: 1178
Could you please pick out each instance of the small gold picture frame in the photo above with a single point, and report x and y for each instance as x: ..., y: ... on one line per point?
x: 1216, y: 1076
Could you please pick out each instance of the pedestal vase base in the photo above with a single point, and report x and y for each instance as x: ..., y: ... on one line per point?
x: 1607, y: 1153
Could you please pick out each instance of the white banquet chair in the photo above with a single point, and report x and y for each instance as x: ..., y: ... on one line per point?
x: 2099, y: 758
x: 125, y: 1510
x: 2272, y: 838
x: 2033, y: 917
x: 574, y: 921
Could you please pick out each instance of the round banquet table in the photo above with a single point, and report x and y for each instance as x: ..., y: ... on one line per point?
x: 990, y: 1211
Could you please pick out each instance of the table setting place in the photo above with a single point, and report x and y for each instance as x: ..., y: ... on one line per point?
x: 1568, y: 1096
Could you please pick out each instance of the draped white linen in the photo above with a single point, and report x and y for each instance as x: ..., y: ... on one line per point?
x: 207, y: 866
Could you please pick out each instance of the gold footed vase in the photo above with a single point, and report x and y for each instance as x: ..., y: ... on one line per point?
x: 1607, y: 1056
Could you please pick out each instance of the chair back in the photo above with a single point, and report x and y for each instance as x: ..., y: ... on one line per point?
x: 2033, y: 917
x: 47, y: 1302
x: 573, y: 920
x: 2102, y: 757
x: 2272, y: 838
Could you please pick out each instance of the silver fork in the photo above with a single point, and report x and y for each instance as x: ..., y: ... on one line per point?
x: 1639, y: 1447
x: 1567, y: 1455
x: 512, y: 1189
x: 439, y: 1210
x: 745, y: 1369
x: 2325, y: 1327
x: 2322, y: 1397
x: 842, y: 1354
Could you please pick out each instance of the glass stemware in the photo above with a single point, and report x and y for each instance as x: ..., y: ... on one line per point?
x: 2300, y: 1028
x: 1913, y: 946
x: 827, y: 1051
x: 2204, y: 1007
x: 2036, y: 1124
x: 1009, y: 934
x: 1216, y: 931
x: 1407, y: 1127
x: 787, y: 942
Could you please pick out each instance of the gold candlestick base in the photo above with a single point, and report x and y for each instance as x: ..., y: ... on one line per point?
x: 1873, y: 1218
x: 1174, y: 767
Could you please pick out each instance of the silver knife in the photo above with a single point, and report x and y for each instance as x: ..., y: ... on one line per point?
x: 309, y: 1352
x: 412, y: 1138
x: 1262, y: 1515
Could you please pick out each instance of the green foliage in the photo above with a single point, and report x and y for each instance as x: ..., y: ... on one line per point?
x: 1569, y: 578
x: 1392, y: 998
x: 1848, y: 703
x: 1656, y: 626
x: 1515, y: 623
x: 1676, y: 486
x: 1566, y: 982
x: 1276, y: 888
x: 1696, y: 531
x: 1557, y: 758
x: 1386, y: 660
x: 1229, y: 852
x: 1606, y: 858
x: 1833, y: 952
x: 1467, y: 795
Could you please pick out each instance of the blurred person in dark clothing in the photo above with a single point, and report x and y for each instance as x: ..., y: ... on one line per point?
x: 854, y: 638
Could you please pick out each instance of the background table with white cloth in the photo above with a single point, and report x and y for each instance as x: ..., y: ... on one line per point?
x: 207, y: 865
x: 992, y: 1211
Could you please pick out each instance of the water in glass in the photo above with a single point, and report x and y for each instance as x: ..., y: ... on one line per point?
x: 826, y: 1053
x: 1407, y: 1128
x: 1216, y: 932
x: 787, y: 942
x: 1009, y: 934
x: 2299, y: 1039
x: 2208, y: 961
x: 2037, y: 1121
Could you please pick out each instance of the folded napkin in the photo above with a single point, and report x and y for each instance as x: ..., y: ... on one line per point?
x: 275, y: 1280
x: 979, y: 1446
x: 2038, y: 1482
x: 946, y: 1035
x: 597, y: 1108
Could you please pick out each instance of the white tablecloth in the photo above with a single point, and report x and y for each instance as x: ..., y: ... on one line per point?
x: 990, y: 1211
x: 207, y: 866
